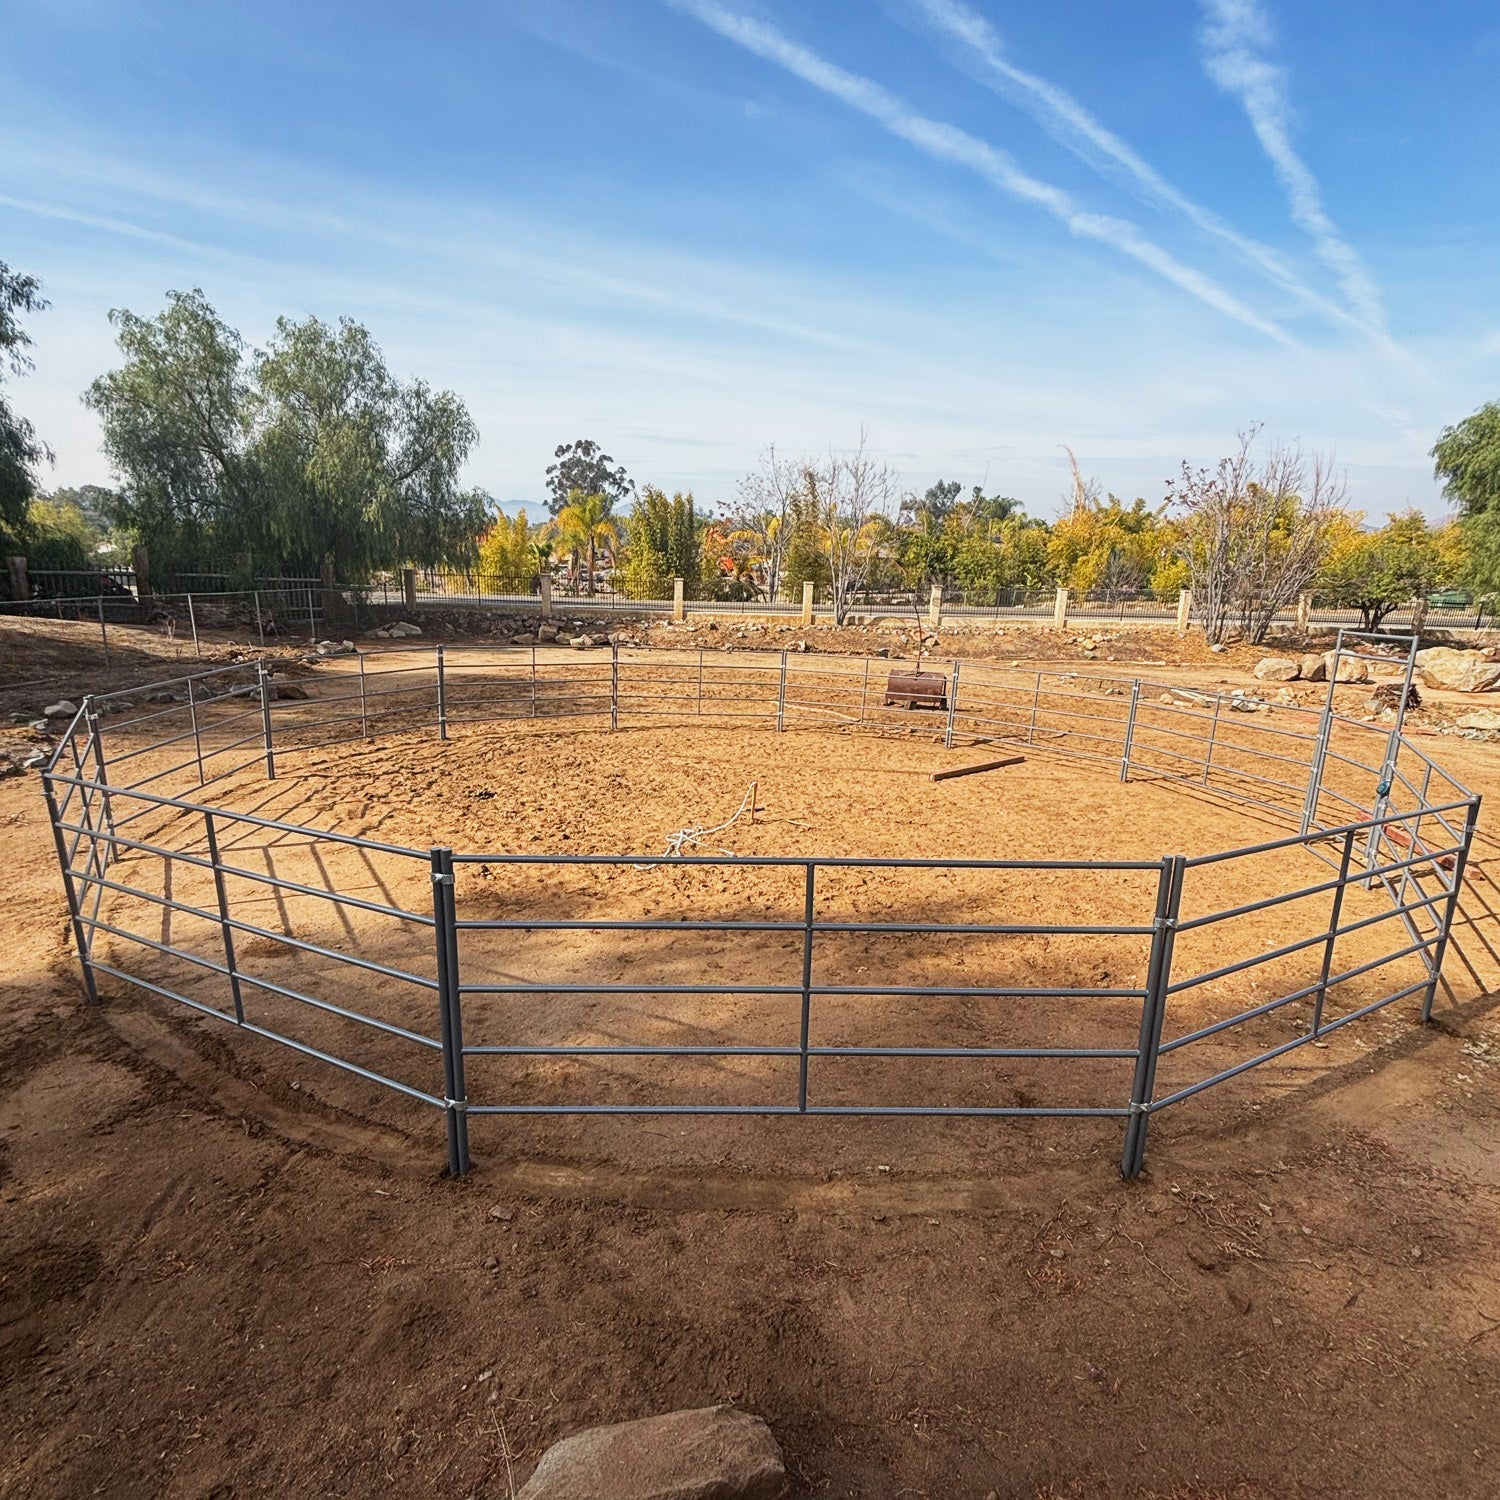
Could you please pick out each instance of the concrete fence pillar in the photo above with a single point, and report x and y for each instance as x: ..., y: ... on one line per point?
x: 409, y: 586
x: 1184, y: 611
x: 1304, y: 612
x: 546, y: 595
x: 807, y: 603
x: 140, y: 561
x: 1418, y: 614
x: 935, y: 607
x: 679, y: 600
x: 20, y: 578
x: 1060, y: 611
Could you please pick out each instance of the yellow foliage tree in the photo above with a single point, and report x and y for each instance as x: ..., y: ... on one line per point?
x: 507, y: 560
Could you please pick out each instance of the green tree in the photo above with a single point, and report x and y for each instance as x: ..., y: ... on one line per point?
x: 665, y: 541
x: 585, y: 467
x: 308, y: 453
x: 1466, y: 457
x: 1376, y: 572
x: 21, y: 451
x: 507, y: 556
x: 585, y: 526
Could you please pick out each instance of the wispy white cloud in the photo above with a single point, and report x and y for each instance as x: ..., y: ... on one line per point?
x: 1076, y: 127
x: 1236, y: 41
x: 948, y: 143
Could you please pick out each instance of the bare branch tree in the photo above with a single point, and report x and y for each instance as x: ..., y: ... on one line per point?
x: 1255, y: 533
x: 852, y: 496
x: 767, y: 512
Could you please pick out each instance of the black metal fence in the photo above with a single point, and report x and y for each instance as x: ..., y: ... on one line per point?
x: 476, y: 1004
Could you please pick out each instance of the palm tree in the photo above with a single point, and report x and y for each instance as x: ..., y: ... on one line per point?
x: 541, y: 555
x: 585, y: 525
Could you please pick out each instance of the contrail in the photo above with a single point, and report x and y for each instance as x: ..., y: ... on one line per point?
x: 1236, y: 37
x: 948, y: 143
x: 1070, y: 123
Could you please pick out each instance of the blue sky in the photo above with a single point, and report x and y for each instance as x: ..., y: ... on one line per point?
x: 977, y: 229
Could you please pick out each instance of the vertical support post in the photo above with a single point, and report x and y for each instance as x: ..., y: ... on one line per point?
x: 1208, y: 759
x: 700, y: 679
x: 409, y: 587
x: 1184, y: 611
x: 312, y: 621
x: 1153, y: 1012
x: 935, y: 607
x: 1304, y: 613
x: 1320, y: 748
x: 614, y: 685
x: 781, y: 698
x: 1060, y: 610
x: 807, y: 602
x: 533, y: 681
x: 679, y: 602
x: 808, y: 898
x: 96, y: 745
x: 224, y: 923
x: 545, y: 594
x: 1036, y: 698
x: 20, y: 581
x: 450, y: 1012
x: 1345, y: 861
x: 103, y: 630
x: 864, y: 691
x: 1419, y: 615
x: 197, y: 738
x: 442, y: 696
x: 1135, y: 699
x: 265, y: 718
x: 193, y: 625
x: 75, y: 912
x: 1460, y: 863
x: 952, y: 707
x: 260, y: 624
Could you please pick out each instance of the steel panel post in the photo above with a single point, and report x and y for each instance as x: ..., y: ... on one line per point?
x: 952, y: 708
x: 1153, y: 1011
x: 442, y: 696
x: 75, y: 912
x: 781, y: 698
x: 614, y: 685
x: 450, y: 1016
x: 224, y: 923
x: 265, y: 718
x: 1345, y: 861
x: 1135, y: 698
x: 809, y: 888
x: 1460, y: 863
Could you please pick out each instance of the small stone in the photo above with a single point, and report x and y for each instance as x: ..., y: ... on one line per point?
x: 62, y: 709
x: 503, y: 1214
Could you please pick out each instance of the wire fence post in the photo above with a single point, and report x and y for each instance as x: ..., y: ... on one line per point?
x: 225, y: 924
x: 450, y: 1014
x: 1450, y: 910
x: 265, y: 718
x: 808, y: 897
x: 614, y: 684
x: 1135, y: 698
x: 1153, y: 1012
x: 75, y: 911
x: 781, y: 698
x: 1345, y: 860
x: 193, y: 626
x: 952, y: 708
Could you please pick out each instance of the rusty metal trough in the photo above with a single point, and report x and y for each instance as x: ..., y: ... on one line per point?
x: 916, y: 690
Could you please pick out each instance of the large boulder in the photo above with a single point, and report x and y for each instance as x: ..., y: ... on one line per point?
x: 1350, y: 668
x: 1458, y: 671
x: 1484, y: 718
x: 1278, y: 669
x: 1313, y: 667
x: 713, y: 1453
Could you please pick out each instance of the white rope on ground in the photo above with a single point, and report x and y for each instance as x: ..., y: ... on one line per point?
x: 692, y: 836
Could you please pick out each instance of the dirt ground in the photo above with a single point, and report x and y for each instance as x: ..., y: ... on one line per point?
x: 230, y: 1272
